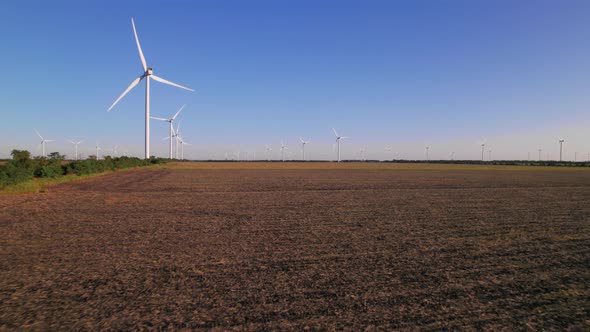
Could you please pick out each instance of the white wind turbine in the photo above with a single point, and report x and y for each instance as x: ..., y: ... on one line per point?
x: 283, y: 147
x: 268, y: 150
x: 338, y: 138
x: 427, y: 149
x: 303, y: 142
x: 76, y: 144
x: 390, y: 149
x: 170, y: 121
x: 182, y: 144
x: 43, y: 141
x: 561, y: 140
x: 147, y: 74
x: 98, y: 148
x: 483, y: 146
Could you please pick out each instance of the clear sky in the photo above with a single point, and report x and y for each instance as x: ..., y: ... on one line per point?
x: 447, y: 73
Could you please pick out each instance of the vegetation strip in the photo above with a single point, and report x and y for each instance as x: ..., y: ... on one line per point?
x: 26, y: 174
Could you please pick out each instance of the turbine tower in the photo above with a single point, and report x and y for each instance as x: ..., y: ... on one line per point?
x: 338, y: 138
x: 540, y: 154
x: 283, y: 147
x: 561, y: 140
x: 170, y: 121
x: 98, y: 148
x: 427, y: 149
x: 303, y: 142
x: 76, y: 144
x: 268, y: 150
x: 147, y: 75
x: 43, y: 141
x: 483, y: 145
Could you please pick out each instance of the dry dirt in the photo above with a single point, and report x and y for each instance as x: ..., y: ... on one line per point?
x: 261, y: 249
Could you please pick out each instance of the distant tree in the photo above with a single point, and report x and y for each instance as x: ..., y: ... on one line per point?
x: 20, y: 155
x: 55, y: 156
x: 92, y: 157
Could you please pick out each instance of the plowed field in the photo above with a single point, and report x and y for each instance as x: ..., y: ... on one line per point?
x: 259, y: 248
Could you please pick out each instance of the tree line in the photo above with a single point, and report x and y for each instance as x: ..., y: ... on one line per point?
x: 22, y: 167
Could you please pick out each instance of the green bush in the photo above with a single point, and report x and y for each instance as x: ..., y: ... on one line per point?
x: 22, y: 168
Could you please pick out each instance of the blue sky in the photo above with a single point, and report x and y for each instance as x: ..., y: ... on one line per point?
x: 399, y: 73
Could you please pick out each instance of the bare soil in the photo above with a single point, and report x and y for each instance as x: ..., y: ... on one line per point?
x: 261, y: 249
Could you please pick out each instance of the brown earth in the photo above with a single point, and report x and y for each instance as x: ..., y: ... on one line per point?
x: 261, y: 249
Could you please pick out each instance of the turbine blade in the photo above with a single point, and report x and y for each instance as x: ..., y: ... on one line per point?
x: 131, y: 86
x: 143, y: 63
x: 41, y: 137
x: 71, y: 142
x: 157, y: 118
x: 335, y: 133
x: 180, y: 110
x: 161, y: 80
x: 49, y: 140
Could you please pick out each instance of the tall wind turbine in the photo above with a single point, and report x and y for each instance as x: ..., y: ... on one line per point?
x: 303, y: 142
x: 561, y: 140
x: 170, y: 121
x: 76, y: 144
x: 43, y: 141
x: 283, y: 147
x: 540, y: 154
x: 427, y: 149
x: 267, y: 151
x: 338, y: 138
x: 490, y: 155
x: 147, y: 75
x: 483, y: 145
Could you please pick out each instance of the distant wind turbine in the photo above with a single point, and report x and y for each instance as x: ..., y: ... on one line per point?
x: 338, y: 138
x: 170, y: 122
x: 303, y: 142
x: 283, y: 147
x: 483, y: 145
x: 561, y: 140
x: 540, y: 154
x: 43, y: 141
x: 98, y: 148
x: 267, y: 151
x: 427, y: 149
x: 76, y: 144
x: 147, y: 74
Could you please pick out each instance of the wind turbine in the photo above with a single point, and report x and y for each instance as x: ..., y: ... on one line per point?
x: 170, y: 121
x: 561, y: 140
x: 483, y: 145
x: 427, y: 149
x: 283, y: 147
x: 490, y: 155
x: 303, y: 142
x: 98, y: 148
x: 43, y: 141
x: 182, y: 144
x: 268, y: 150
x: 338, y: 138
x: 147, y: 74
x: 540, y: 154
x: 76, y: 144
x: 390, y: 149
